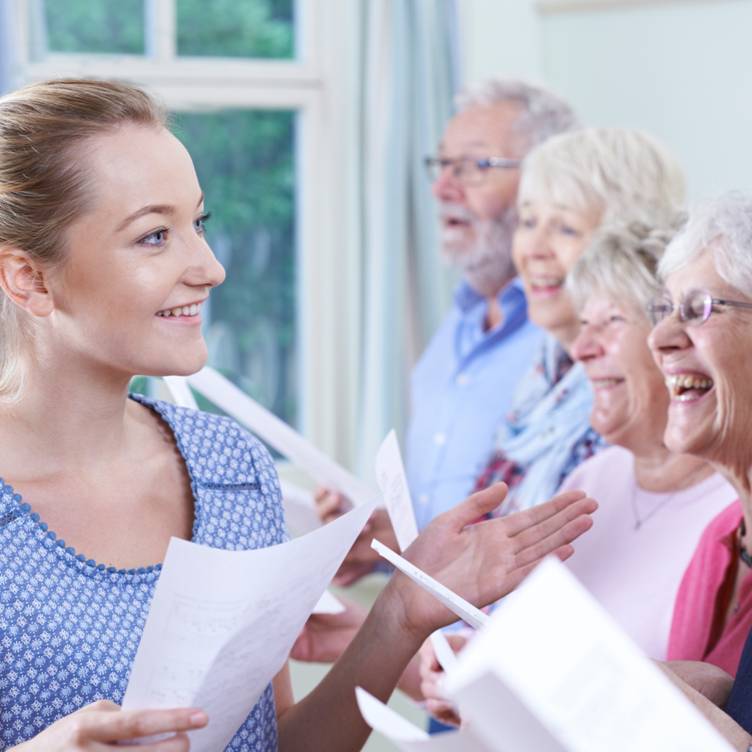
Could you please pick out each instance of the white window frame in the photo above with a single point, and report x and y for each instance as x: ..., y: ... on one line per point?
x: 315, y: 84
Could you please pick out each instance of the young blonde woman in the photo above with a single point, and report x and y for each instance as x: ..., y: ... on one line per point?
x: 104, y: 270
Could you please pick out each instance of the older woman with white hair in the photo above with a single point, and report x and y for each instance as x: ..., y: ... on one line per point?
x: 700, y: 341
x: 654, y: 503
x: 571, y: 185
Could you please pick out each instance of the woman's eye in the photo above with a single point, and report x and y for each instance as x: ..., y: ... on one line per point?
x: 156, y: 238
x: 527, y: 222
x: 569, y: 231
x: 199, y: 224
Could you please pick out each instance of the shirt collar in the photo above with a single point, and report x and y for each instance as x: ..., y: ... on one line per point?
x: 466, y: 297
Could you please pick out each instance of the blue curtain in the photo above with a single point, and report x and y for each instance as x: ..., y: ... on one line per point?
x: 407, y: 75
x: 7, y: 44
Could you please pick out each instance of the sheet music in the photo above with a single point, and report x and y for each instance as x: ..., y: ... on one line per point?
x: 222, y: 623
x: 279, y: 435
x: 553, y: 672
x: 392, y: 480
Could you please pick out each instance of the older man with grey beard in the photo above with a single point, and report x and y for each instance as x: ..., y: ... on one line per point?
x: 463, y: 383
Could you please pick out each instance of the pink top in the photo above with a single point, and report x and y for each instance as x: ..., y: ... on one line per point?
x: 697, y: 632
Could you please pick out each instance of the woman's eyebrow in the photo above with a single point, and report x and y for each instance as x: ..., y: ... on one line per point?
x: 151, y: 209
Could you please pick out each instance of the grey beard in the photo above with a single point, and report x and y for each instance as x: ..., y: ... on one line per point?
x: 488, y: 266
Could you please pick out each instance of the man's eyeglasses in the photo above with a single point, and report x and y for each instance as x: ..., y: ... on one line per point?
x: 467, y: 170
x: 695, y: 307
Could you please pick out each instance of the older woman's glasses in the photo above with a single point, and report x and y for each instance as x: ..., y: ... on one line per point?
x: 468, y: 170
x: 695, y: 307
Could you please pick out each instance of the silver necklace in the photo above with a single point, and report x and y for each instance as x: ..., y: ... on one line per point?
x: 640, y: 521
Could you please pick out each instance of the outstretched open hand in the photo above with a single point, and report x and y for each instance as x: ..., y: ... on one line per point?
x: 484, y: 561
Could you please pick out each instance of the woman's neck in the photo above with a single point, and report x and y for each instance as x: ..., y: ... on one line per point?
x: 661, y: 471
x: 65, y: 419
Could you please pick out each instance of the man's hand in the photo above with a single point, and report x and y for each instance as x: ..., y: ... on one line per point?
x: 431, y: 674
x: 326, y: 636
x: 361, y: 559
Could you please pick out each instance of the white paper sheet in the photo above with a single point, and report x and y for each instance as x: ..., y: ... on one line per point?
x: 300, y: 510
x: 455, y: 603
x: 392, y: 480
x: 409, y: 738
x: 222, y: 623
x: 554, y: 673
x: 279, y: 435
x: 180, y: 391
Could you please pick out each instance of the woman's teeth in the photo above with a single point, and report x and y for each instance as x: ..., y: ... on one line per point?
x: 546, y: 283
x: 685, y: 387
x: 186, y: 310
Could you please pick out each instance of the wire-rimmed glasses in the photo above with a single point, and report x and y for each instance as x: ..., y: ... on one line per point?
x: 468, y: 170
x: 695, y: 307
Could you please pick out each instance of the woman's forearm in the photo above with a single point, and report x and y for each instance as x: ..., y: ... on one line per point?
x: 328, y: 719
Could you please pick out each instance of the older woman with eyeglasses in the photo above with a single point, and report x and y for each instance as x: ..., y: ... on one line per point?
x: 701, y: 341
x: 654, y: 504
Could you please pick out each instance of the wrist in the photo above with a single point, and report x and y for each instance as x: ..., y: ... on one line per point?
x: 393, y: 606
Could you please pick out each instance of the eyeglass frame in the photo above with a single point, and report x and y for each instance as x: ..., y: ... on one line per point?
x: 482, y: 165
x: 667, y: 308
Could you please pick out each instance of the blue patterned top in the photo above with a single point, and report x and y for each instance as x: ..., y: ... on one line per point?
x: 70, y: 627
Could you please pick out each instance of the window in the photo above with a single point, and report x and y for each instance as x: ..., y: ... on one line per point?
x: 246, y: 83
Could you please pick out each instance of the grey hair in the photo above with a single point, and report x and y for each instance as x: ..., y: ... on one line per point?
x: 724, y: 227
x: 543, y: 114
x: 622, y: 173
x: 621, y: 263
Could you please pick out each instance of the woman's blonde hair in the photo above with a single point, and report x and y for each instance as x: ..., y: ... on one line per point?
x: 44, y: 184
x: 622, y: 173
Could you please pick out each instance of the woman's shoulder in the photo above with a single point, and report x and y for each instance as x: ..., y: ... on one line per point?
x: 217, y: 449
x: 604, y: 465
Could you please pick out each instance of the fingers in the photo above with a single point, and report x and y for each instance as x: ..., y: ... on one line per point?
x: 551, y: 536
x: 519, y: 521
x: 443, y: 711
x: 131, y: 724
x: 475, y: 507
x: 557, y: 526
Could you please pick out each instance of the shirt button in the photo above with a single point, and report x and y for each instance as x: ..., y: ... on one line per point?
x: 439, y: 439
x: 463, y: 379
x: 423, y: 499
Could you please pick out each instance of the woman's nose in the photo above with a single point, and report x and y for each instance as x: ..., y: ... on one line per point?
x: 668, y: 334
x: 586, y: 345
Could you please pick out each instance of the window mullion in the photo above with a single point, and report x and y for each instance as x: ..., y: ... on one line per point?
x: 160, y: 18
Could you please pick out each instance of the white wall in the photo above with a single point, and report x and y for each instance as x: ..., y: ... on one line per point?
x: 679, y: 69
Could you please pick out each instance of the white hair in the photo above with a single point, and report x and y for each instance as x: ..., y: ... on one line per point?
x: 543, y: 114
x: 621, y: 263
x: 724, y: 227
x: 622, y: 173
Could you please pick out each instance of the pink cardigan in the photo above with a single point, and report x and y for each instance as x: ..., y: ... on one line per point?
x: 712, y: 570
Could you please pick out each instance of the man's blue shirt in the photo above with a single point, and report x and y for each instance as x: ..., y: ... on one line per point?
x: 461, y: 389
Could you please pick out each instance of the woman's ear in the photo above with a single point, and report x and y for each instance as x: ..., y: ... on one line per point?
x: 23, y: 281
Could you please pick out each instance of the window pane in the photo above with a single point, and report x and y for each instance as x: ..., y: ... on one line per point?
x: 105, y: 26
x: 245, y: 162
x: 236, y: 28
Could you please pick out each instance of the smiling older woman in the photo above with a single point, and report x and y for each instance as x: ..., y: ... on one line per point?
x: 654, y: 502
x: 700, y: 342
x: 571, y: 185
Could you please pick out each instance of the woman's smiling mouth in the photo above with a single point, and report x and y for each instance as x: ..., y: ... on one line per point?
x: 190, y: 310
x: 688, y: 387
